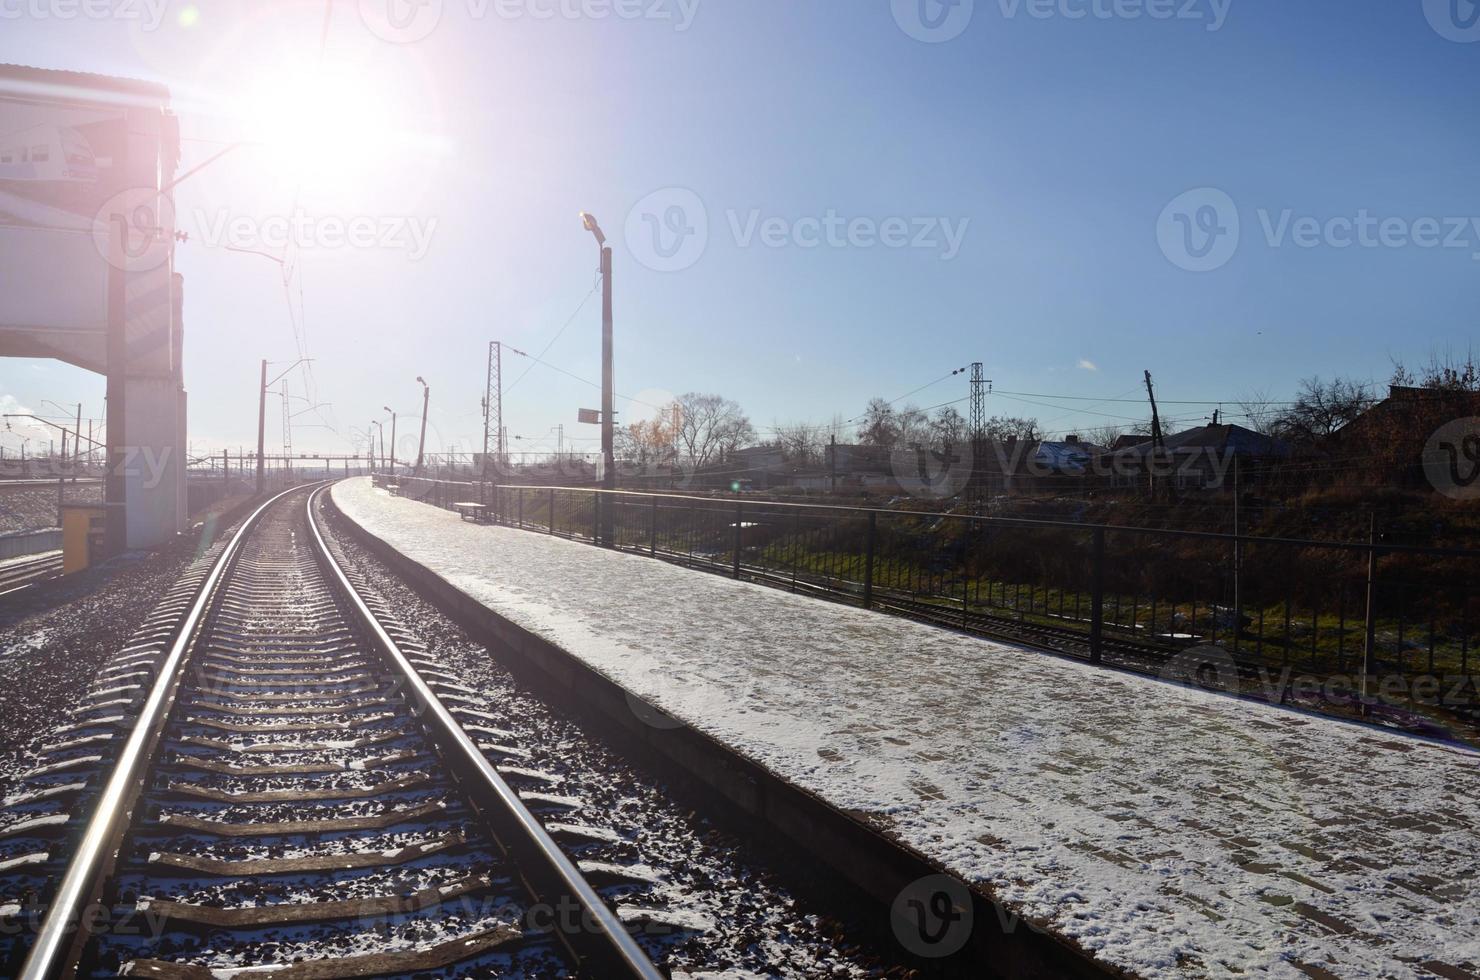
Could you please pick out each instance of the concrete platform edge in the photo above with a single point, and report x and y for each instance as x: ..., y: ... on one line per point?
x: 874, y: 865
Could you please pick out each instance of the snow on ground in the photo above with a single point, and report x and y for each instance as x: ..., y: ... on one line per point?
x: 1170, y: 831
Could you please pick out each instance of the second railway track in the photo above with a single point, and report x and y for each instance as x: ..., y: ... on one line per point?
x: 295, y: 798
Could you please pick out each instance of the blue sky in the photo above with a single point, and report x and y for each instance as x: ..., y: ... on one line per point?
x: 1050, y: 146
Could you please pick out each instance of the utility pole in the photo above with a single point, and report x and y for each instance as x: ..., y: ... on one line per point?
x: 77, y: 444
x: 978, y: 422
x: 426, y: 399
x: 393, y: 439
x: 1158, y: 443
x: 493, y: 409
x: 608, y: 397
x: 262, y: 431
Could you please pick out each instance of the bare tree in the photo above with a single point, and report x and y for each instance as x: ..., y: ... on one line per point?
x: 914, y: 426
x: 799, y: 441
x: 710, y: 427
x: 1104, y: 435
x: 647, y: 441
x: 1443, y: 373
x: 1260, y: 412
x: 1322, y: 408
x: 880, y: 424
x: 1004, y: 427
x: 948, y: 428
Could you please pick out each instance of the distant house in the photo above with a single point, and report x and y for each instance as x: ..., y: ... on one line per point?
x: 1201, y: 458
x: 1390, y: 437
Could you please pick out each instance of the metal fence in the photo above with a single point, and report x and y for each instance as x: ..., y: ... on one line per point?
x: 16, y: 544
x: 1368, y: 624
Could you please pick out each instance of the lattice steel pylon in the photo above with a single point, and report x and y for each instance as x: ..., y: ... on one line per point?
x: 493, y: 409
x: 978, y: 430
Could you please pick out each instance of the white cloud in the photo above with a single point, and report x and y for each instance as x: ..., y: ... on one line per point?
x: 1085, y: 364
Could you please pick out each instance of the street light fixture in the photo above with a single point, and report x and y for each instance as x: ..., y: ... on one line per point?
x: 608, y: 398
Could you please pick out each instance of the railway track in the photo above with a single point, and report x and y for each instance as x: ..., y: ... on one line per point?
x: 295, y: 792
x: 18, y: 575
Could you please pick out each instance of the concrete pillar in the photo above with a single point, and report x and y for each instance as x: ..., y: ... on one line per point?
x: 154, y: 463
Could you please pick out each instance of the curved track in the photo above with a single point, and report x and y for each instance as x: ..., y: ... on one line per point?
x: 294, y: 797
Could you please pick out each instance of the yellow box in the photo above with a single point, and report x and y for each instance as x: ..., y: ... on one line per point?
x: 82, y: 536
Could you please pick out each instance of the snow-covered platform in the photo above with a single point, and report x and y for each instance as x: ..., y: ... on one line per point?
x: 1169, y: 831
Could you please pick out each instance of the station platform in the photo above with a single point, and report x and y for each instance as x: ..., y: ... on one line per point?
x: 1166, y: 831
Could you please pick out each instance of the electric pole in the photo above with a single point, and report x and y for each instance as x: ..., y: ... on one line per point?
x: 978, y: 424
x: 1158, y: 443
x: 608, y: 397
x: 426, y: 399
x: 393, y: 439
x: 262, y: 430
x: 493, y: 410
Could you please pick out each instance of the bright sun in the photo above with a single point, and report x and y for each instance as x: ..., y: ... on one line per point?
x: 327, y: 124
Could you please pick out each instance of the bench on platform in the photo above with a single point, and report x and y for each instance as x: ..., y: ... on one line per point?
x: 473, y: 511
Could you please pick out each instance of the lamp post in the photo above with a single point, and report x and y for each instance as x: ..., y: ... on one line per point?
x: 371, y: 431
x: 393, y: 439
x: 426, y: 398
x: 608, y: 397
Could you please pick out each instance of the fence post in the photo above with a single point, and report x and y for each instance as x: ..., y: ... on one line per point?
x: 1369, y: 645
x: 596, y: 519
x: 520, y: 506
x: 1097, y: 599
x: 552, y: 510
x: 653, y: 530
x: 868, y: 561
x: 739, y: 529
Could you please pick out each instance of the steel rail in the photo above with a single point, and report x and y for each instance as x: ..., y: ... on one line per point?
x: 598, y: 934
x: 55, y: 945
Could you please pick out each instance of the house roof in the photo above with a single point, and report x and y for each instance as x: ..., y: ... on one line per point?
x: 79, y: 85
x: 1218, y: 438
